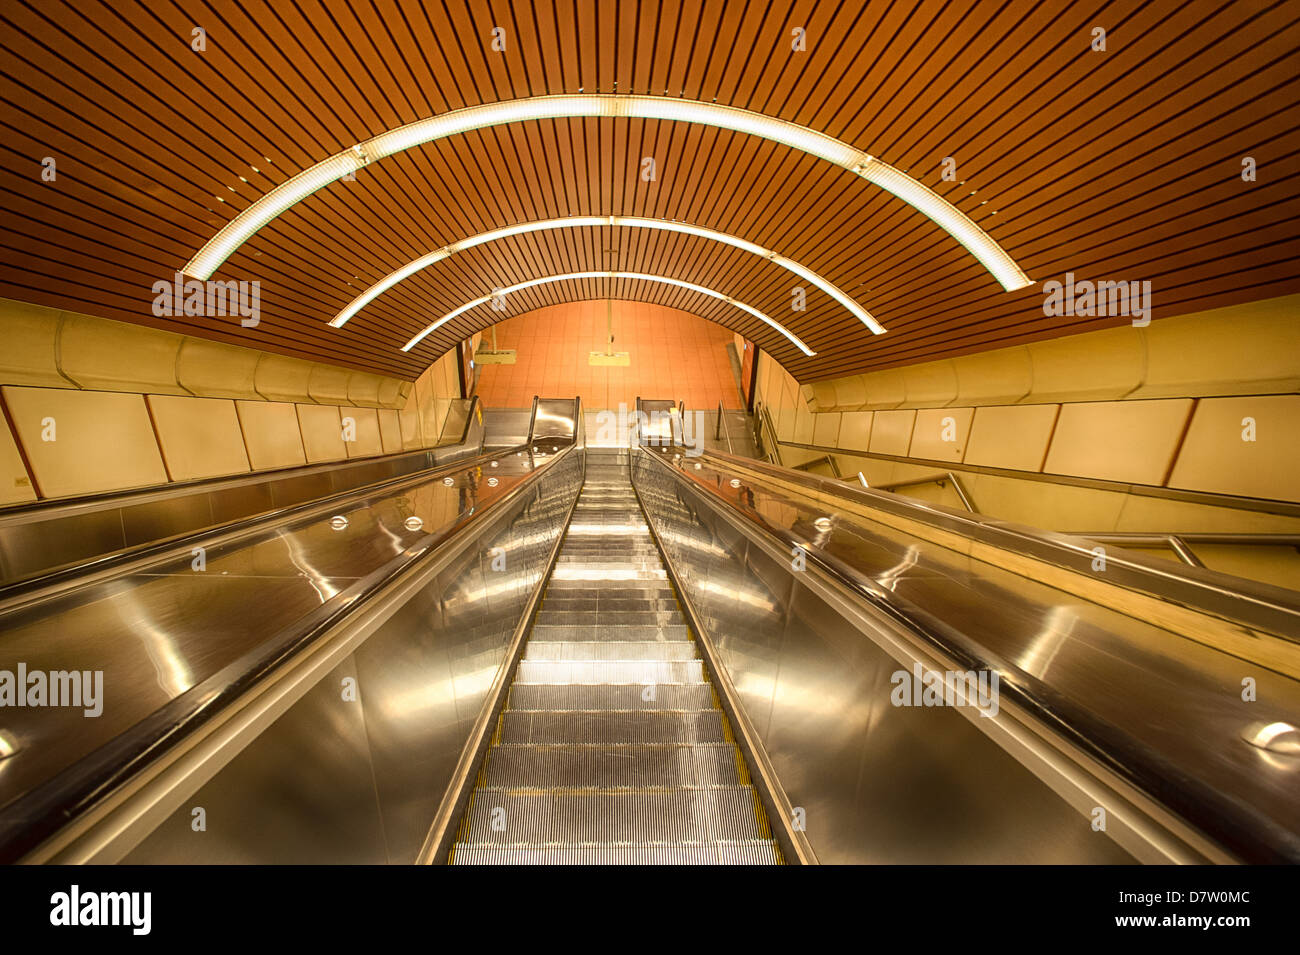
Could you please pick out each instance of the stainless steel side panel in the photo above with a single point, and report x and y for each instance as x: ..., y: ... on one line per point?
x: 555, y: 419
x: 878, y: 783
x: 254, y: 811
x: 421, y: 678
x: 505, y: 427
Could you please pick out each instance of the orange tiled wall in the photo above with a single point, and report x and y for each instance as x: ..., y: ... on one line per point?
x: 674, y: 354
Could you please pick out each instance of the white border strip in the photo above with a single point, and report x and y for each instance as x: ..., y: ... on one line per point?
x: 947, y: 216
x: 573, y: 222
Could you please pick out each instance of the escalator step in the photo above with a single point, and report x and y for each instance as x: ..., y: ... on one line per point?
x: 607, y: 602
x: 560, y: 726
x: 613, y: 636
x: 612, y: 747
x: 610, y: 618
x: 610, y: 696
x: 689, y: 815
x: 530, y: 767
x: 611, y: 671
x: 742, y: 852
x: 618, y: 574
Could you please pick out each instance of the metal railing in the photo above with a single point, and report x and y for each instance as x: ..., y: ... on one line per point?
x: 827, y: 459
x: 939, y: 479
x: 1179, y: 542
x: 763, y: 418
x: 721, y: 431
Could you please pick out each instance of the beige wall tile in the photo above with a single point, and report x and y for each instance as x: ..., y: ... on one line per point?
x: 15, y: 483
x: 1127, y: 441
x: 891, y: 432
x: 103, y: 441
x: 368, y: 441
x: 1014, y: 436
x: 322, y: 433
x: 1214, y: 456
x: 271, y: 434
x: 933, y: 429
x: 199, y: 437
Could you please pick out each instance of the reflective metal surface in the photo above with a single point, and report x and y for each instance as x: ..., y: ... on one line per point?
x: 58, y: 535
x: 173, y: 640
x: 1263, y: 608
x: 1160, y: 710
x: 505, y: 427
x: 554, y: 419
x: 659, y: 422
x: 359, y: 780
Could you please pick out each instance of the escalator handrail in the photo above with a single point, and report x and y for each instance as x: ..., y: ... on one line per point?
x: 32, y: 817
x: 1262, y: 606
x: 31, y: 589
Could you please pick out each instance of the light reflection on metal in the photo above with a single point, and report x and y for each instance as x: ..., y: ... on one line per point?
x: 413, y: 524
x: 1043, y: 648
x: 338, y: 522
x: 1279, y: 737
x: 889, y: 578
x: 744, y: 595
x: 607, y: 529
x: 174, y: 674
x: 302, y: 560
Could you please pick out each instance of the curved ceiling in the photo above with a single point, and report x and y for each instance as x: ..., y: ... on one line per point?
x: 425, y: 261
x: 347, y: 162
x: 1117, y: 165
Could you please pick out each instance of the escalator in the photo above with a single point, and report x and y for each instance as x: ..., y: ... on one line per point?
x: 558, y: 654
x: 611, y: 747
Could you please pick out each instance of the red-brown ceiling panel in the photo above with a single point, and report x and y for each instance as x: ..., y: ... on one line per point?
x: 1123, y: 164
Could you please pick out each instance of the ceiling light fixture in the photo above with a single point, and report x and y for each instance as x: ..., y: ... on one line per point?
x: 949, y: 217
x: 573, y: 222
x: 641, y: 276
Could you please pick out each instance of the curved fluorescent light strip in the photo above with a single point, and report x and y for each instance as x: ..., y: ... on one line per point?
x: 406, y: 271
x: 948, y: 216
x: 790, y: 336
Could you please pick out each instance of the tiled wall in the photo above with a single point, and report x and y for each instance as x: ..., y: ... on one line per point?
x: 673, y: 354
x: 92, y: 406
x: 1120, y: 419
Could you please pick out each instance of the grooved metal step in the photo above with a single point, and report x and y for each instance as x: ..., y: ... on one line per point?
x: 608, y: 602
x: 624, y: 697
x: 566, y: 818
x: 526, y: 767
x: 610, y: 671
x: 610, y: 618
x: 605, y: 726
x: 742, y: 852
x: 581, y: 651
x: 619, y: 633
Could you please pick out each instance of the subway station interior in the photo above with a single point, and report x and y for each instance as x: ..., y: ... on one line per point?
x: 761, y: 432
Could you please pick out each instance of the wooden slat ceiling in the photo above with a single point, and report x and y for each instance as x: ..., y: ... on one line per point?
x: 1116, y: 165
